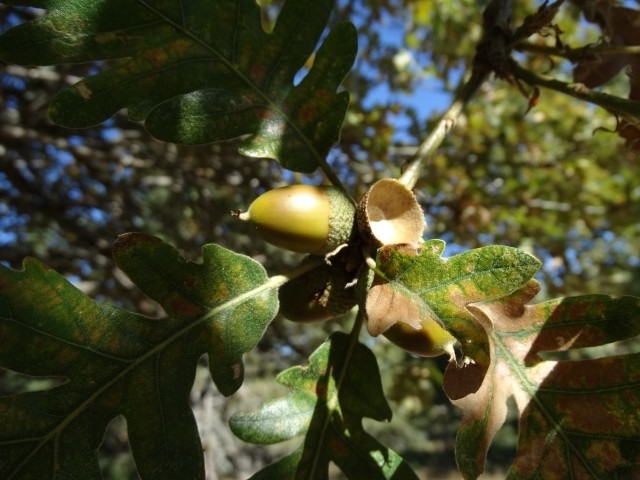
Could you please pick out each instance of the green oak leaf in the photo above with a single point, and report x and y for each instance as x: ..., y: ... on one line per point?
x: 578, y: 418
x: 200, y: 71
x: 442, y: 288
x: 114, y: 362
x: 328, y: 400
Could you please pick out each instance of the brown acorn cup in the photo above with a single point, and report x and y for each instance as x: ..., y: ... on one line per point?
x: 320, y: 294
x: 389, y: 214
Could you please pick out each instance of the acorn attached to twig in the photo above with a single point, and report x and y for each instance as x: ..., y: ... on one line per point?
x: 303, y: 218
x: 319, y: 294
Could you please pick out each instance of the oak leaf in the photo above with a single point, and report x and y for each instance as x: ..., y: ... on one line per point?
x: 111, y: 362
x: 326, y: 405
x: 621, y: 27
x: 419, y: 281
x: 578, y: 418
x: 200, y: 71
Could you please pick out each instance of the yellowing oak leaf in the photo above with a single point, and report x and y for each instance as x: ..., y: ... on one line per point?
x: 416, y: 284
x: 578, y: 418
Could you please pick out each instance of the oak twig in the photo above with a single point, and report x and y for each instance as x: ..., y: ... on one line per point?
x: 429, y: 146
x: 621, y: 106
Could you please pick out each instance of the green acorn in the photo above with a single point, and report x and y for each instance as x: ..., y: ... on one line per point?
x: 319, y: 294
x: 430, y: 340
x: 303, y: 218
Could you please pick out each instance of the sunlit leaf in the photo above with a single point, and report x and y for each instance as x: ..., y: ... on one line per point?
x: 578, y: 418
x: 328, y: 400
x: 199, y: 72
x: 114, y: 362
x: 441, y: 288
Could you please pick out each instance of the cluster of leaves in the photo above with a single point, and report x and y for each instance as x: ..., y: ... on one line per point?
x: 593, y: 69
x: 192, y: 87
x: 112, y: 361
x: 207, y: 72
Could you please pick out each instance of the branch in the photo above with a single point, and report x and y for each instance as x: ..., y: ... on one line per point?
x: 490, y: 56
x: 628, y: 108
x: 353, y: 342
x: 579, y: 54
x: 429, y: 146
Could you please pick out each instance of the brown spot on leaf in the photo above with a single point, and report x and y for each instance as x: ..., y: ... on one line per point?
x: 257, y: 72
x: 264, y: 114
x: 184, y: 308
x: 84, y: 91
x: 307, y: 113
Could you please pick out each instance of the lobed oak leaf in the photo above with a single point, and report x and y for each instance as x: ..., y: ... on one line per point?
x: 620, y: 25
x: 578, y: 418
x: 113, y: 362
x: 326, y: 405
x: 419, y: 281
x: 199, y: 72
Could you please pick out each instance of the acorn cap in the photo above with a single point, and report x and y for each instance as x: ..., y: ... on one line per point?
x: 319, y: 294
x: 390, y: 214
x: 303, y: 218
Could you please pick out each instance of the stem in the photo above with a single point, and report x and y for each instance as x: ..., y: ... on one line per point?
x: 429, y: 146
x: 334, y: 179
x: 578, y: 54
x: 577, y: 90
x: 279, y: 280
x: 353, y: 338
x: 353, y: 341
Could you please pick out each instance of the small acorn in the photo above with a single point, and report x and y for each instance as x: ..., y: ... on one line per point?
x: 390, y: 214
x: 303, y: 218
x: 319, y: 294
x: 431, y: 340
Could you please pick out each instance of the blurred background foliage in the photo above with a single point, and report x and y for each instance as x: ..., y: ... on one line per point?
x: 551, y: 181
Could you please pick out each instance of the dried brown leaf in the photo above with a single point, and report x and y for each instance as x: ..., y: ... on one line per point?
x: 595, y: 72
x: 621, y: 27
x: 578, y: 419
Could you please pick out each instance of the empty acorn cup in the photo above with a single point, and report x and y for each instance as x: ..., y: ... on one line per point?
x: 390, y: 214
